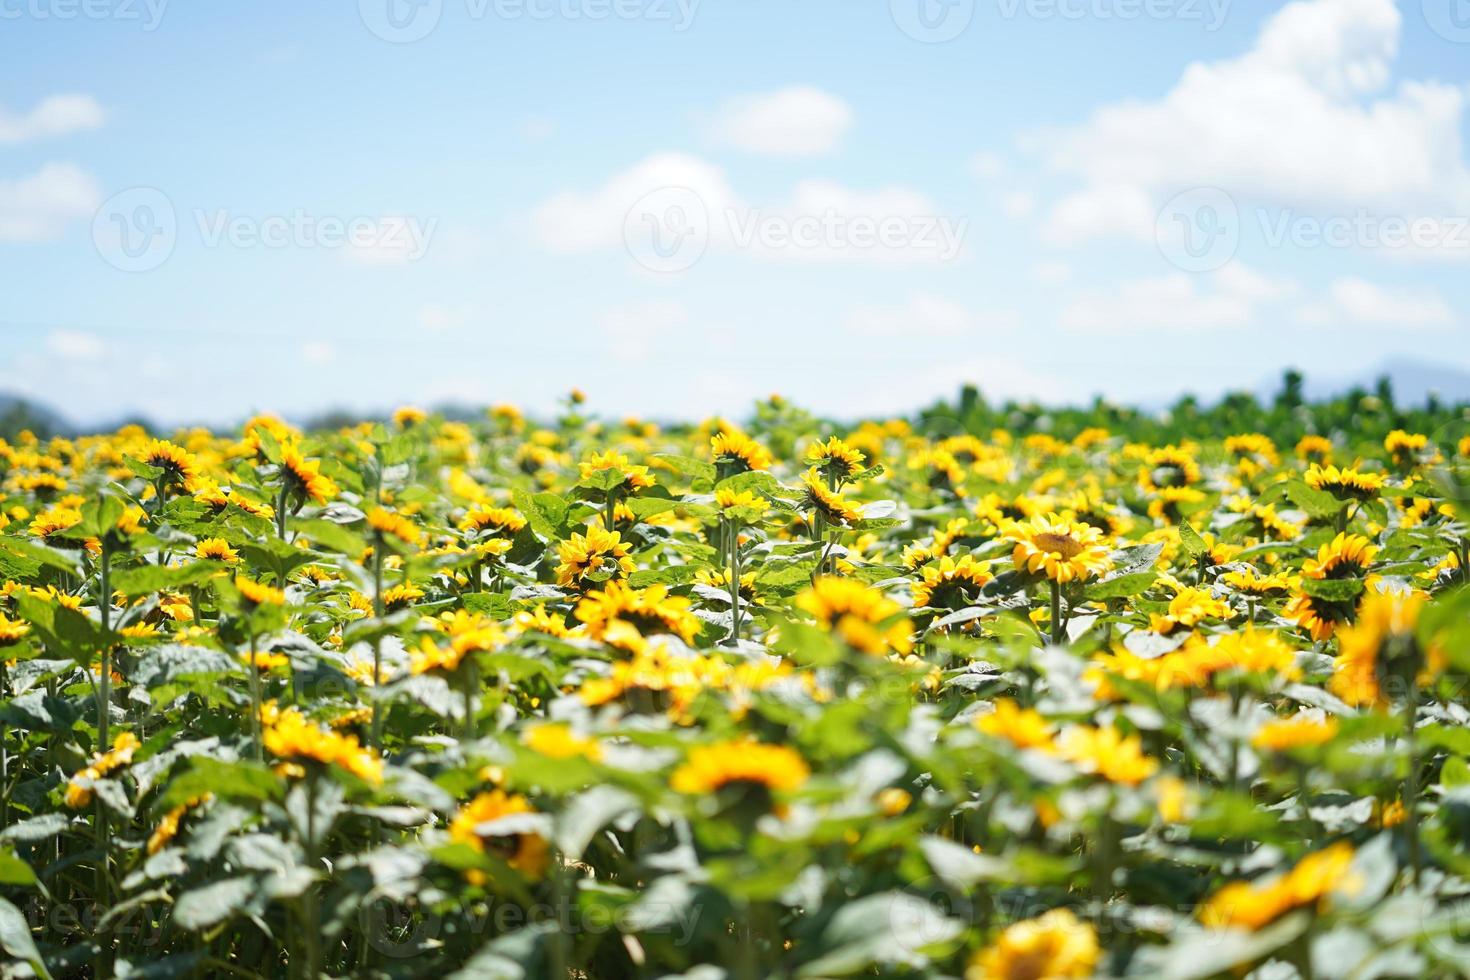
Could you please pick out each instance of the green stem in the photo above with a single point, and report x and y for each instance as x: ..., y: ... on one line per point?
x: 733, y: 531
x: 281, y: 512
x: 1411, y: 782
x: 376, y: 734
x: 1058, y: 628
x: 257, y: 700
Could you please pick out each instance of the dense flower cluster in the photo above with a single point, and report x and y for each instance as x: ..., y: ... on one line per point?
x: 986, y: 694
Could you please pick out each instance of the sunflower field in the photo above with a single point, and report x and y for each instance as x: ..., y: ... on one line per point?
x: 986, y: 692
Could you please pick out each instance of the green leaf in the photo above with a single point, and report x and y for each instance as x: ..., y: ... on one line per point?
x: 203, y: 907
x: 227, y: 780
x: 1190, y: 541
x: 1319, y: 504
x: 41, y: 554
x: 887, y: 929
x: 546, y: 513
x: 1121, y: 586
x: 1333, y: 589
x: 148, y: 579
x: 14, y: 871
x: 688, y: 466
x: 334, y: 537
x: 15, y: 939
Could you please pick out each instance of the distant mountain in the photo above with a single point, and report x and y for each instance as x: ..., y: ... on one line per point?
x: 1413, y: 382
x: 17, y: 413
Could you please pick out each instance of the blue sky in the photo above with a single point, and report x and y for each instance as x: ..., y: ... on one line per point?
x: 1033, y: 165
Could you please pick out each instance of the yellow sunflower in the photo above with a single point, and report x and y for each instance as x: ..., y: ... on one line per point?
x: 863, y: 617
x: 598, y: 555
x: 1058, y: 549
x: 1057, y: 945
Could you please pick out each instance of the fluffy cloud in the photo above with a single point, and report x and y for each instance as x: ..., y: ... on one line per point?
x: 39, y: 207
x: 75, y: 345
x: 928, y: 317
x: 1306, y: 118
x: 1357, y: 301
x: 1230, y: 298
x: 794, y: 122
x: 670, y: 198
x: 53, y: 116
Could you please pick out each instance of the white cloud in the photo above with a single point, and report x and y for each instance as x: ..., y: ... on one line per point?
x: 927, y: 316
x: 38, y: 208
x: 75, y: 345
x: 799, y: 121
x: 53, y: 116
x: 572, y: 221
x: 820, y: 221
x: 1358, y: 301
x: 1230, y: 298
x: 1305, y: 118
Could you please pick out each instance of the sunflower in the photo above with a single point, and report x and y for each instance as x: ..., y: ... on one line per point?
x: 216, y: 549
x: 218, y: 498
x: 468, y: 633
x: 634, y: 478
x: 651, y: 611
x: 12, y: 630
x: 1403, y: 446
x: 734, y: 452
x: 952, y: 584
x: 711, y: 768
x: 1025, y: 728
x: 538, y: 620
x: 1367, y: 650
x: 831, y: 505
x: 1251, y: 905
x: 304, y: 476
x: 389, y: 523
x: 863, y: 617
x: 475, y: 825
x: 168, y: 826
x: 256, y: 594
x: 407, y: 416
x: 1168, y: 466
x: 1108, y: 753
x: 1319, y: 617
x: 79, y: 788
x: 1189, y: 608
x: 1303, y: 730
x: 597, y: 556
x: 1058, y: 549
x: 180, y: 467
x: 1345, y: 556
x: 1345, y: 483
x: 1252, y: 582
x: 1051, y: 947
x: 837, y: 460
x: 48, y: 524
x: 496, y: 521
x: 557, y: 741
x: 1317, y: 448
x: 292, y: 738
